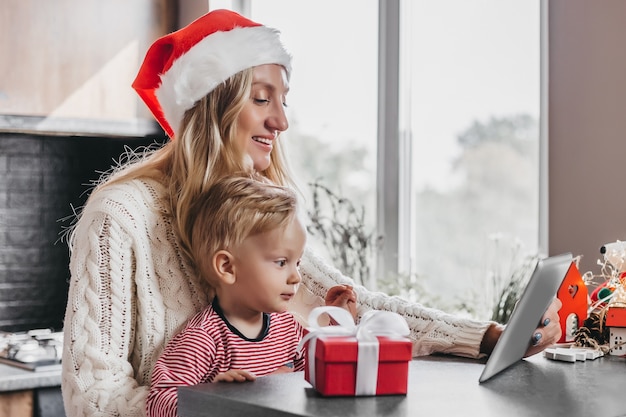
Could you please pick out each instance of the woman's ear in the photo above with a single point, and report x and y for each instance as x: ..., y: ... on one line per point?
x: 224, y: 267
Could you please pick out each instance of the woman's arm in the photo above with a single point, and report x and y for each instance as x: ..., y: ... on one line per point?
x: 97, y: 377
x: 432, y: 331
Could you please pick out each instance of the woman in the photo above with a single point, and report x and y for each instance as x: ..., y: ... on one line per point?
x: 218, y: 88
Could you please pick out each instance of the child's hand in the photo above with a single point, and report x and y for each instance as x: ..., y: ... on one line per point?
x: 284, y: 369
x: 342, y: 296
x: 235, y: 375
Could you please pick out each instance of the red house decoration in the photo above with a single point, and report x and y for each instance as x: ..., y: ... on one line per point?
x: 575, y: 298
x: 616, y: 322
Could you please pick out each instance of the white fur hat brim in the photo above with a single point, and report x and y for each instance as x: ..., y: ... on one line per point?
x: 200, y: 61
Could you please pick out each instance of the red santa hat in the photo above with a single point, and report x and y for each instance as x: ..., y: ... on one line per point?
x: 182, y: 67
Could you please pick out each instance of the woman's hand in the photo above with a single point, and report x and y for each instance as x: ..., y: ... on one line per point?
x: 342, y: 296
x: 235, y: 375
x: 547, y: 334
x: 549, y: 330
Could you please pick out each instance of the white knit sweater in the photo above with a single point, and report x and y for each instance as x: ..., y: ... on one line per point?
x: 131, y: 291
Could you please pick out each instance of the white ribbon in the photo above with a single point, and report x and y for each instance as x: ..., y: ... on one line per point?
x: 373, y: 323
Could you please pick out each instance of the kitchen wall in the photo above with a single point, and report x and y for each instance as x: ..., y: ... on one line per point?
x: 43, y: 179
x: 587, y: 127
x: 66, y: 113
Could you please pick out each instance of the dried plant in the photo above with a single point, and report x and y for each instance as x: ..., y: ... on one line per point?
x: 336, y: 222
x: 511, y: 290
x: 506, y: 279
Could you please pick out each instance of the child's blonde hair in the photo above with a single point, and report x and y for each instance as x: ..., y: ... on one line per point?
x: 233, y: 209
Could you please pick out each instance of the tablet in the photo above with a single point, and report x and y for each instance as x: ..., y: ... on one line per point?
x: 541, y: 289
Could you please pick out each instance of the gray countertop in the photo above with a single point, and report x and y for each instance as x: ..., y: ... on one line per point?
x: 13, y: 378
x: 438, y: 385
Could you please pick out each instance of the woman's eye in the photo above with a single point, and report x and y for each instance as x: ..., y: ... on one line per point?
x: 261, y: 101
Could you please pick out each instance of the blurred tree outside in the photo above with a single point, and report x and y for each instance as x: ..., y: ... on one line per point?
x: 340, y: 227
x: 495, y: 196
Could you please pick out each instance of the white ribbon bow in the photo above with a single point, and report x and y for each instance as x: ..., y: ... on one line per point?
x: 373, y: 323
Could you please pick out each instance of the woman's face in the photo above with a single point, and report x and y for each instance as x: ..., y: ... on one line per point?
x: 263, y: 116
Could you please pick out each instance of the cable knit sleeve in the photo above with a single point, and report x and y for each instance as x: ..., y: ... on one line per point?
x: 432, y: 331
x: 130, y: 292
x: 97, y: 376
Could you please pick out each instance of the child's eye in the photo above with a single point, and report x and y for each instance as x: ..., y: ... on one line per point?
x: 281, y: 262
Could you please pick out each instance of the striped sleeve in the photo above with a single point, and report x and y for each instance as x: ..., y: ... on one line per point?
x: 186, y: 360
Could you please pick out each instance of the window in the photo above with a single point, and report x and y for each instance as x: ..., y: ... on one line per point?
x: 456, y: 107
x: 473, y: 117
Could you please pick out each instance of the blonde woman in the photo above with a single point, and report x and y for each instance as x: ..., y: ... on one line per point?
x: 218, y: 88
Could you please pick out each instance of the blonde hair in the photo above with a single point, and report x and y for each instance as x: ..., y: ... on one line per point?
x: 202, y: 154
x: 231, y: 210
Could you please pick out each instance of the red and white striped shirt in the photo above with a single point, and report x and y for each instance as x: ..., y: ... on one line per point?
x: 209, y: 345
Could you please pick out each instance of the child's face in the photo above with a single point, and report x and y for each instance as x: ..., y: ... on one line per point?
x: 266, y: 268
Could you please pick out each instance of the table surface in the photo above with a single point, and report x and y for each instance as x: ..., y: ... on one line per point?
x: 13, y: 378
x: 438, y: 385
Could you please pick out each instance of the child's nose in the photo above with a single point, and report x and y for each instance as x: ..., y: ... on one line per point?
x: 295, y: 277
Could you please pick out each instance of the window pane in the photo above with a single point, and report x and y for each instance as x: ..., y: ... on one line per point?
x: 332, y: 110
x: 474, y: 109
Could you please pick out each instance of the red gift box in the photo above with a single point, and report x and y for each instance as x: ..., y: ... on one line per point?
x: 336, y: 365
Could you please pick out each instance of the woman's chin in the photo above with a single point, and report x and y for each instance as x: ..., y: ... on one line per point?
x: 261, y: 165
